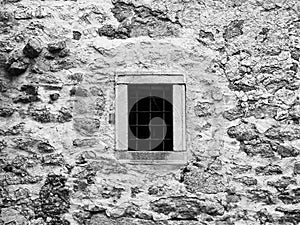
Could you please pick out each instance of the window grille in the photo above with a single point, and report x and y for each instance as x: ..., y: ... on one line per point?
x: 150, y: 117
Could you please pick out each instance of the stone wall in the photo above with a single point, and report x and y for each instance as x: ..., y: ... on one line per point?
x: 57, y: 65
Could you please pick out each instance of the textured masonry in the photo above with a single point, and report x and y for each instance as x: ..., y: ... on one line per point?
x: 58, y: 61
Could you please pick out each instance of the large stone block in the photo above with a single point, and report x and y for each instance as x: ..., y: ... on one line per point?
x: 87, y: 126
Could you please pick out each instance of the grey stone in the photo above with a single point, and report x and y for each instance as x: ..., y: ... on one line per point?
x: 268, y: 170
x: 6, y: 111
x: 243, y: 132
x: 76, y: 35
x: 6, y: 46
x: 241, y: 168
x: 142, y: 21
x: 203, y: 109
x: 291, y: 216
x: 54, y: 96
x: 87, y: 142
x: 64, y: 115
x: 263, y: 149
x: 290, y: 133
x: 286, y: 151
x: 234, y: 113
x: 112, y: 33
x: 234, y: 29
x: 183, y: 207
x: 16, y: 129
x: 264, y: 216
x: 17, y: 66
x: 45, y: 147
x: 42, y: 115
x: 54, y: 199
x: 290, y: 196
x: 297, y: 168
x: 86, y: 126
x: 57, y: 46
x: 249, y: 181
x: 295, y: 53
x: 261, y: 195
x: 33, y: 48
x: 198, y: 180
x: 53, y: 159
x: 3, y: 145
x: 282, y: 183
x: 206, y: 35
x: 64, y: 53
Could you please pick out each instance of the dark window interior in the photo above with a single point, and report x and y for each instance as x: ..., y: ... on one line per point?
x: 150, y: 117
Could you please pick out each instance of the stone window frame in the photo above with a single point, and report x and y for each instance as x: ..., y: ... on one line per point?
x: 179, y: 153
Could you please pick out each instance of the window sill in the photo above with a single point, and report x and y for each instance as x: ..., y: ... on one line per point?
x: 152, y: 157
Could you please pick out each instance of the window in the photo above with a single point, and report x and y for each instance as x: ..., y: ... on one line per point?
x: 150, y: 118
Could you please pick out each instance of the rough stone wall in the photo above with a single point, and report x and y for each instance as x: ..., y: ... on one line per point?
x: 57, y: 65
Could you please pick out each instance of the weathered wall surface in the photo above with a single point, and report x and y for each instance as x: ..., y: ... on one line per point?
x: 57, y: 66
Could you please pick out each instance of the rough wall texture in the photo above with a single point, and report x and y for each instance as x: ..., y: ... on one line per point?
x: 57, y: 66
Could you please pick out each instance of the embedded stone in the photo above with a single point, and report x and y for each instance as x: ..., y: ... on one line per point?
x: 86, y: 126
x: 88, y: 142
x: 290, y: 132
x: 54, y: 96
x: 54, y: 197
x: 183, y: 207
x: 3, y: 145
x: 18, y: 67
x: 297, y: 168
x: 295, y: 53
x: 30, y: 89
x: 241, y: 168
x: 197, y: 180
x: 291, y: 216
x: 234, y: 113
x: 33, y: 48
x: 3, y: 59
x: 268, y: 170
x: 76, y: 77
x: 234, y: 29
x: 64, y: 53
x: 111, y: 32
x: 264, y: 217
x: 6, y: 46
x: 81, y: 92
x: 26, y: 144
x: 243, y: 132
x: 96, y: 219
x: 206, y: 35
x: 57, y: 46
x: 76, y: 35
x: 25, y: 99
x: 6, y: 16
x: 53, y: 159
x: 64, y: 115
x: 42, y: 115
x: 282, y: 183
x: 295, y: 111
x: 203, y: 109
x: 290, y: 196
x: 263, y: 149
x: 6, y: 111
x: 30, y: 94
x: 45, y: 147
x: 287, y: 151
x: 12, y: 130
x: 261, y: 195
x: 249, y: 181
